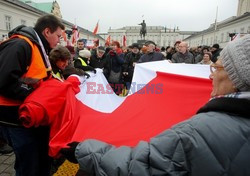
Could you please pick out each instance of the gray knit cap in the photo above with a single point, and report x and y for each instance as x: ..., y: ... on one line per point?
x: 236, y: 61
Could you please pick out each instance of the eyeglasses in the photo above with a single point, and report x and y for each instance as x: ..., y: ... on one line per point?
x: 214, y: 67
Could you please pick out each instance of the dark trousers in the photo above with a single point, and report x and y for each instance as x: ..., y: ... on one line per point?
x: 30, y: 146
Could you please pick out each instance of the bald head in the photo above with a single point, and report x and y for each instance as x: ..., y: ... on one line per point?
x: 183, y: 46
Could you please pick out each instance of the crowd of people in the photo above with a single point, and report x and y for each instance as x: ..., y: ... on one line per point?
x: 198, y: 146
x: 118, y: 62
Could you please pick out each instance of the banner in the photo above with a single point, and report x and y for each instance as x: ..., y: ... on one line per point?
x: 161, y: 96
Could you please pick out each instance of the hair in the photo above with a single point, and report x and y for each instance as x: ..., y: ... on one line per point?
x: 80, y: 40
x: 71, y: 49
x: 69, y: 70
x: 217, y: 46
x: 209, y: 54
x: 177, y: 42
x: 116, y: 43
x: 205, y: 48
x: 149, y: 42
x: 59, y: 53
x: 48, y: 21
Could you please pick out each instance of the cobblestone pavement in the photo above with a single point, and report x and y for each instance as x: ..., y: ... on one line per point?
x: 7, y: 165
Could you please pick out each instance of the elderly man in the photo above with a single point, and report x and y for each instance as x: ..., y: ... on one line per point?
x: 98, y: 58
x: 183, y: 55
x: 214, y: 142
x: 151, y: 55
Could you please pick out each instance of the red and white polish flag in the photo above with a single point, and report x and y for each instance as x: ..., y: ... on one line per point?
x: 161, y: 96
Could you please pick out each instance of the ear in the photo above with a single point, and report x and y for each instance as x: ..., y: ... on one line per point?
x: 46, y: 32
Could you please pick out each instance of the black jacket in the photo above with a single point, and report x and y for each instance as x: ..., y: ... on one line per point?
x: 15, y: 57
x: 78, y: 64
x: 154, y: 56
x: 97, y: 62
x: 215, y: 55
x: 128, y: 66
x: 114, y: 62
x: 215, y: 142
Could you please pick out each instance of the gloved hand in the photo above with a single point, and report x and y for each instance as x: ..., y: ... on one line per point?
x: 69, y: 153
x: 86, y: 75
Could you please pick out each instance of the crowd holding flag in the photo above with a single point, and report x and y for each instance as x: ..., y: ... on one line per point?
x: 88, y: 116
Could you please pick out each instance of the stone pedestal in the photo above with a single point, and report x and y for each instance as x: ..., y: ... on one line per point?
x: 141, y: 42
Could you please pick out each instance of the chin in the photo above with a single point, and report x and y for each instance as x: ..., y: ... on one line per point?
x: 213, y: 94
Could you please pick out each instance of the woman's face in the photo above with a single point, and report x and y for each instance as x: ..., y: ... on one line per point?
x: 114, y: 47
x: 62, y: 64
x: 206, y: 58
x: 222, y: 85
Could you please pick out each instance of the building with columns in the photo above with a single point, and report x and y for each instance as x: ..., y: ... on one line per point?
x: 162, y: 36
x: 219, y: 32
x: 26, y: 12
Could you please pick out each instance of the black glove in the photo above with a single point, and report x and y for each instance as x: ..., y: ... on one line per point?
x: 87, y: 75
x: 69, y: 153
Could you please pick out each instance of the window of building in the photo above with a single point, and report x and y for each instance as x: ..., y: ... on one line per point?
x: 23, y: 22
x: 248, y: 30
x: 242, y: 30
x: 8, y: 22
x: 222, y: 37
x: 227, y: 37
x: 215, y: 39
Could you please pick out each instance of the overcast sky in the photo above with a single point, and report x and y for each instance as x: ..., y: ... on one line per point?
x: 188, y: 15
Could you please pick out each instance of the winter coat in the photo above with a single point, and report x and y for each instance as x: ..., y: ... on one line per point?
x: 19, y: 53
x: 149, y: 57
x: 97, y: 62
x: 128, y: 66
x: 214, y: 142
x: 85, y: 67
x: 114, y: 63
x: 187, y: 58
x: 215, y: 55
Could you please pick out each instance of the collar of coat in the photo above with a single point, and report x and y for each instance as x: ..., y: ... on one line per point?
x: 234, y: 105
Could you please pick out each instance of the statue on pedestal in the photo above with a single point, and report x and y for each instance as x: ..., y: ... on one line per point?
x: 143, y: 30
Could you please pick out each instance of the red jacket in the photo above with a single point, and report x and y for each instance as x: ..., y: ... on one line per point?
x: 53, y: 104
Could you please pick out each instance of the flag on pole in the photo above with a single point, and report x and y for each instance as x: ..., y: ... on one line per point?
x: 75, y: 33
x: 124, y: 40
x: 96, y: 28
x: 107, y: 42
x: 64, y: 35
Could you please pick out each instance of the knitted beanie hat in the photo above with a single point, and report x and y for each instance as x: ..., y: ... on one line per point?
x: 85, y: 53
x: 236, y: 61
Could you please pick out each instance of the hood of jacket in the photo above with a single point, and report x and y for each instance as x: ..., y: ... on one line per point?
x: 25, y: 31
x: 31, y: 34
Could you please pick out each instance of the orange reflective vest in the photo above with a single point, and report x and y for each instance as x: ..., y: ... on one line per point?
x: 36, y: 71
